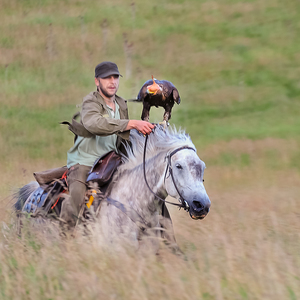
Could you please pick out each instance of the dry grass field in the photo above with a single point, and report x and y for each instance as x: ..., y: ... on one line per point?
x: 246, y: 248
x: 236, y: 66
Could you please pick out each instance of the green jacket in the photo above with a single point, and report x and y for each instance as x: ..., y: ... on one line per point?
x: 96, y: 121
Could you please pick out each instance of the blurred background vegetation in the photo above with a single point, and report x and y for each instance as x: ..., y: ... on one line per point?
x: 236, y: 65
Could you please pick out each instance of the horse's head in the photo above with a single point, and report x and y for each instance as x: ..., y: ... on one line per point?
x: 186, y: 182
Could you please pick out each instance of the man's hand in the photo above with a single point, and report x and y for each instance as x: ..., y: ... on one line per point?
x: 143, y: 126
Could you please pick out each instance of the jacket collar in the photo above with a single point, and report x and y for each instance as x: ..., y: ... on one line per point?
x: 121, y: 102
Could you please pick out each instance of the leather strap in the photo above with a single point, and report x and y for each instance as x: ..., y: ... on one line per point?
x: 169, y: 166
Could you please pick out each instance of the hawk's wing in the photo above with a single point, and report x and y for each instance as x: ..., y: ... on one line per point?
x: 168, y: 89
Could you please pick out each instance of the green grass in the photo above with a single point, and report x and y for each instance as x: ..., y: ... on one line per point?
x: 235, y: 65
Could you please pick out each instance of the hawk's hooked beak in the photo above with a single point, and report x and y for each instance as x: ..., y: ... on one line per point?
x: 154, y: 88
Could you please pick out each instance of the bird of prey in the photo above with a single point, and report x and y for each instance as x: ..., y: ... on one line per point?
x: 158, y: 93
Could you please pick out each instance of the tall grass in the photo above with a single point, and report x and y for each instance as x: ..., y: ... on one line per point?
x: 236, y: 66
x: 246, y: 248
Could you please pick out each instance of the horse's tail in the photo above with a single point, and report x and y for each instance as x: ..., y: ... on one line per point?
x: 23, y: 194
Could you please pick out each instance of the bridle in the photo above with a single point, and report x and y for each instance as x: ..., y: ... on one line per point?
x: 183, y: 203
x: 132, y: 214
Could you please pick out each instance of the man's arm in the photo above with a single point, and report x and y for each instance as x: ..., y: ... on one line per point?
x: 143, y: 126
x: 99, y: 124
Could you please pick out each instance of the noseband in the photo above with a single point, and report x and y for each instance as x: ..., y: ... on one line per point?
x: 183, y: 203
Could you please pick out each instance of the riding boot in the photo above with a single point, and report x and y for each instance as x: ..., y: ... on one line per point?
x: 76, y: 178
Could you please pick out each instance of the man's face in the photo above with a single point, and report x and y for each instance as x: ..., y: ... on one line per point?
x: 108, y: 85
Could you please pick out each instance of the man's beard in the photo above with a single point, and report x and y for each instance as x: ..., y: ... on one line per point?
x: 104, y: 92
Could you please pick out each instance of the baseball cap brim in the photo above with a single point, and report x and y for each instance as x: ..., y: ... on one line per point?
x: 109, y: 74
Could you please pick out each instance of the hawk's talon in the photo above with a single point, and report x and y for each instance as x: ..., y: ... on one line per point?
x: 164, y: 123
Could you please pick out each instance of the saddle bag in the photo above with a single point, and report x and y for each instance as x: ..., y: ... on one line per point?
x: 44, y: 200
x: 104, y: 168
x: 45, y: 177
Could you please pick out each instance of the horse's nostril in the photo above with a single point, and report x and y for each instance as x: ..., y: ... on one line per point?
x: 197, y: 205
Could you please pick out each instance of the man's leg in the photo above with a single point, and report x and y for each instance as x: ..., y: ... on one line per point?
x: 76, y: 178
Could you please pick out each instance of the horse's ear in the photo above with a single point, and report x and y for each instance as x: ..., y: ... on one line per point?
x: 176, y: 96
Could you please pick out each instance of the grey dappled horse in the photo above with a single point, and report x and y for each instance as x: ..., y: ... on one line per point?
x: 129, y: 186
x: 131, y: 210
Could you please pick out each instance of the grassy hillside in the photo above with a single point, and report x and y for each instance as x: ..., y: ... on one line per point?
x: 236, y: 65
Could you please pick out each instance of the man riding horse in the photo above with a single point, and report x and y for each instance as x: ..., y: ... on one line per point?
x: 104, y: 124
x: 131, y: 205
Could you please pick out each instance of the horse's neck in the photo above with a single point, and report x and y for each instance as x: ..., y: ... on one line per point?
x: 130, y: 186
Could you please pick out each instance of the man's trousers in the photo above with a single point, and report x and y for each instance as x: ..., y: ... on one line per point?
x: 76, y: 179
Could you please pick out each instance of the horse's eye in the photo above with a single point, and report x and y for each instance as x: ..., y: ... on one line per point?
x: 202, y: 180
x: 178, y: 166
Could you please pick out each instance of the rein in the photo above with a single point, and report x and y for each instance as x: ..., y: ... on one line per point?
x: 132, y: 214
x: 183, y: 203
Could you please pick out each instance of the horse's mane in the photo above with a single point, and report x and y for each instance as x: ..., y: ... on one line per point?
x: 162, y: 140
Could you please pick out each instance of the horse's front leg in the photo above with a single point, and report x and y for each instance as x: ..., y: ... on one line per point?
x: 168, y: 232
x: 150, y: 238
x: 117, y: 228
